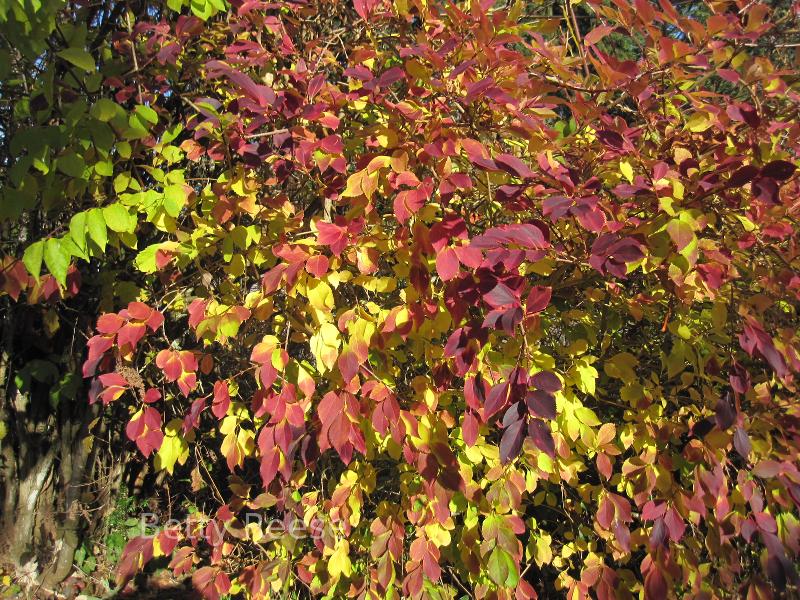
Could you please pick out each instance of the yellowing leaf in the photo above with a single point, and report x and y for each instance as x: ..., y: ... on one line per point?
x: 587, y: 377
x: 339, y: 563
x: 320, y: 296
x: 173, y: 449
x: 325, y: 346
x: 620, y: 366
x: 587, y: 416
x: 626, y: 169
x: 437, y: 534
x: 544, y: 549
x: 698, y: 122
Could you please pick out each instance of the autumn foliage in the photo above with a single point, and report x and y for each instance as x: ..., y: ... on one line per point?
x: 506, y: 302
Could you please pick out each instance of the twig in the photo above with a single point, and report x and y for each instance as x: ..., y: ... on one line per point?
x: 266, y: 133
x: 133, y: 54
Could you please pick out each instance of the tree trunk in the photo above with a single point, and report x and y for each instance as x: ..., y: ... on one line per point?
x: 45, y: 465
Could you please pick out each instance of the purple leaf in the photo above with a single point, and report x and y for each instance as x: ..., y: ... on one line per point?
x: 541, y: 404
x: 725, y: 411
x: 741, y: 441
x: 611, y: 139
x: 498, y: 396
x: 547, y: 381
x: 778, y: 169
x: 742, y: 176
x: 511, y: 440
x: 658, y: 536
x: 539, y: 432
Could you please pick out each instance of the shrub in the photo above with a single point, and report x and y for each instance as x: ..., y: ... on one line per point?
x: 495, y: 300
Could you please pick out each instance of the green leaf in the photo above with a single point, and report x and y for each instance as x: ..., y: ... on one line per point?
x: 56, y: 257
x: 104, y: 109
x: 32, y: 258
x: 104, y: 168
x: 71, y: 164
x: 77, y: 231
x: 145, y: 261
x: 502, y: 569
x: 118, y: 218
x: 78, y: 57
x: 147, y: 113
x: 174, y: 199
x: 96, y: 225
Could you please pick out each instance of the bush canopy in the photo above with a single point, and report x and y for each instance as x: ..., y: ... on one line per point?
x: 491, y: 299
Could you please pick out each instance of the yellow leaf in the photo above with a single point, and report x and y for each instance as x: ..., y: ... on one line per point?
x: 325, y: 346
x: 229, y: 424
x: 339, y: 563
x: 587, y: 377
x: 437, y: 534
x: 381, y: 285
x: 698, y: 122
x: 320, y: 296
x: 544, y: 549
x: 587, y: 416
x: 626, y: 169
x: 353, y: 189
x: 173, y: 449
x: 379, y: 162
x: 621, y: 366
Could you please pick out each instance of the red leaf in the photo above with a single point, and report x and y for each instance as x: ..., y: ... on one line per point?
x: 333, y: 236
x: 222, y: 399
x: 655, y: 586
x: 364, y: 8
x: 498, y: 396
x: 766, y: 522
x: 603, y: 463
x: 109, y: 323
x: 767, y: 469
x: 605, y: 512
x: 525, y: 235
x: 348, y: 363
x: 675, y: 524
x: 597, y: 34
x: 262, y: 95
x: 538, y: 299
x: 469, y: 429
x: 318, y: 265
x: 339, y: 416
x: 447, y: 264
x: 169, y: 361
x: 501, y: 295
x: 611, y: 139
x: 512, y: 164
x: 659, y: 534
x: 653, y: 510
